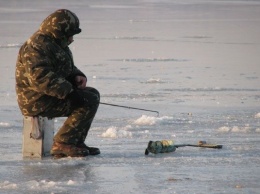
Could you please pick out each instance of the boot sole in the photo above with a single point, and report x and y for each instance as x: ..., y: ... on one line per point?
x: 60, y: 154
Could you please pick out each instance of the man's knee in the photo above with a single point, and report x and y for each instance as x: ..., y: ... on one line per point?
x: 95, y: 91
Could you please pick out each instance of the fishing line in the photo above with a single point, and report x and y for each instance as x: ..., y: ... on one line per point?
x: 130, y: 107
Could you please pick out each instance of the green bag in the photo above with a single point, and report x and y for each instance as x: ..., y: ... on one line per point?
x: 163, y: 146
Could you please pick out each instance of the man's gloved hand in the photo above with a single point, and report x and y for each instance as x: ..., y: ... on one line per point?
x: 79, y: 98
x: 78, y: 81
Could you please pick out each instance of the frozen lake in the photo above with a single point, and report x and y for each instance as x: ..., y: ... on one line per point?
x: 194, y: 61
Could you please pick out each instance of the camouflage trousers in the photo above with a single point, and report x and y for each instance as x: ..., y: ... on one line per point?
x: 75, y: 128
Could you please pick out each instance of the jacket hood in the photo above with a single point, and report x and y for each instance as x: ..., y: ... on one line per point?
x: 61, y: 24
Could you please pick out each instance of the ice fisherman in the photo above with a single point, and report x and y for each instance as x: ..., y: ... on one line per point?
x: 48, y: 84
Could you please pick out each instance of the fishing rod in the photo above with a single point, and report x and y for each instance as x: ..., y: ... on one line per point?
x: 166, y: 146
x: 130, y: 107
x: 202, y: 146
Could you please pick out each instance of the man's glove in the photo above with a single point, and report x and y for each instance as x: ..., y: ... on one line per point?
x: 73, y: 81
x: 79, y: 98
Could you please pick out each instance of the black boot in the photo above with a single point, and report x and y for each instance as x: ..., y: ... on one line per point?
x: 68, y: 150
x: 91, y: 150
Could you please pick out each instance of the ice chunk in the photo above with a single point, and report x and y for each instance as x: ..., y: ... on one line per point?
x: 4, y: 124
x: 70, y: 182
x: 224, y: 129
x: 257, y: 115
x: 114, y: 132
x: 8, y: 185
x: 147, y: 120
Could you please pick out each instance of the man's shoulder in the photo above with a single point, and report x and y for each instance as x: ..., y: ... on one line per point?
x: 39, y: 41
x: 40, y: 38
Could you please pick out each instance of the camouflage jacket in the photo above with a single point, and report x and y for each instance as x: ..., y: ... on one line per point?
x: 44, y: 71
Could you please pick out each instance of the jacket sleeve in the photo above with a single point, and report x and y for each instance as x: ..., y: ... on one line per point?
x: 42, y: 77
x: 76, y: 71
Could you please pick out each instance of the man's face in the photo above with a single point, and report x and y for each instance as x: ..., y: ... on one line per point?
x: 70, y: 40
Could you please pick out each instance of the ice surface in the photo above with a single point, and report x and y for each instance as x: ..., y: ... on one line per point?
x: 194, y: 61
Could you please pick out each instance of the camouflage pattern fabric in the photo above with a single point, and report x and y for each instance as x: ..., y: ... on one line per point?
x: 75, y: 128
x: 45, y: 72
x: 61, y: 25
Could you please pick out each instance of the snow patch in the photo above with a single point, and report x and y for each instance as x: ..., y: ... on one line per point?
x: 153, y: 80
x: 147, y: 120
x: 224, y: 129
x: 236, y: 129
x: 114, y: 132
x: 257, y: 115
x: 239, y: 129
x: 3, y: 124
x: 49, y: 184
x: 257, y: 130
x: 70, y: 182
x: 11, y: 45
x: 8, y: 185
